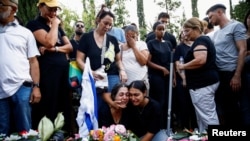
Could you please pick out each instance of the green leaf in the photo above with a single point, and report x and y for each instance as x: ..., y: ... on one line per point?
x: 59, y: 121
x: 45, y: 128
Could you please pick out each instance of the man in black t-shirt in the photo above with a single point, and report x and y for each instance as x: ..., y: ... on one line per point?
x: 79, y: 29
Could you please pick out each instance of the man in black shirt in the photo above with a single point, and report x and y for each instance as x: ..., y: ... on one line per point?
x: 79, y: 29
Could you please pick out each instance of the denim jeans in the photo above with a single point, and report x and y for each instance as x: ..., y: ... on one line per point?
x: 19, y: 106
x: 113, y: 80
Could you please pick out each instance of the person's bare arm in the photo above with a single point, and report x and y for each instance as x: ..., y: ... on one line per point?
x: 147, y: 137
x: 66, y: 48
x: 122, y: 73
x: 80, y: 56
x: 141, y: 55
x: 158, y: 67
x: 48, y: 39
x: 35, y: 75
x: 200, y: 58
x: 235, y: 82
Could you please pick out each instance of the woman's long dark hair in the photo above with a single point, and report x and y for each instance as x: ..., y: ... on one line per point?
x: 245, y: 19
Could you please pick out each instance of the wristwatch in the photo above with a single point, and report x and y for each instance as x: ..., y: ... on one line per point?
x: 35, y: 85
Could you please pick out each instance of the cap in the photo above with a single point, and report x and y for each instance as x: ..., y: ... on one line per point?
x: 216, y: 6
x: 49, y: 3
x: 14, y: 1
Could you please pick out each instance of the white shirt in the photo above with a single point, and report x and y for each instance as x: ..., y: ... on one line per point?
x: 133, y: 69
x: 17, y: 45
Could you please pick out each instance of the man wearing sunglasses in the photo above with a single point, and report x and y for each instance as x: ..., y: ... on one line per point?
x: 79, y: 29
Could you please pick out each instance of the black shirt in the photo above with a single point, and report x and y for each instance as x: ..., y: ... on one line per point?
x: 207, y: 74
x: 143, y: 120
x: 75, y: 45
x: 160, y: 54
x: 54, y: 58
x: 89, y: 47
x: 105, y: 117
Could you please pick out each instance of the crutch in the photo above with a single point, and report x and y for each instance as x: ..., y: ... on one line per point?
x: 169, y: 131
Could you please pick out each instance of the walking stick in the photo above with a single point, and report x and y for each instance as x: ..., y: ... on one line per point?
x: 164, y: 134
x: 170, y: 94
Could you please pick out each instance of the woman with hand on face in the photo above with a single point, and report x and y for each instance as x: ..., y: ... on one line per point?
x: 144, y: 112
x: 92, y: 44
x: 134, y: 56
x: 54, y: 67
x: 109, y: 115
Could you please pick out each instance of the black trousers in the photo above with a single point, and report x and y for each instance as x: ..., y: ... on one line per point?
x: 55, y: 90
x: 227, y: 101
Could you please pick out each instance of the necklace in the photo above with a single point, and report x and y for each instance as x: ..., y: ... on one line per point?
x: 145, y: 102
x: 117, y: 120
x: 140, y: 110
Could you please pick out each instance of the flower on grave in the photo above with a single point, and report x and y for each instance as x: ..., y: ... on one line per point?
x: 113, y: 133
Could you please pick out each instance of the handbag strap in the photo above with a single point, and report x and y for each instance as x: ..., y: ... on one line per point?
x: 103, y: 48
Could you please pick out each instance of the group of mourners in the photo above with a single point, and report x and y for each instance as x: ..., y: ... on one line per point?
x: 210, y: 85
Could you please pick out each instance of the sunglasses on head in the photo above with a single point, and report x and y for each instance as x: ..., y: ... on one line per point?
x: 80, y: 25
x: 106, y: 9
x: 2, y: 5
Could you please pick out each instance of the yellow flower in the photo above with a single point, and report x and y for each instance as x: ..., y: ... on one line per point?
x: 116, y: 138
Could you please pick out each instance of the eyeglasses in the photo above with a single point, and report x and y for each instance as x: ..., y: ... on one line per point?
x: 52, y: 9
x: 80, y: 25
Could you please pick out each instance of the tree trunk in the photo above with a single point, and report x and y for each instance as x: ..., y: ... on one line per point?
x: 194, y: 8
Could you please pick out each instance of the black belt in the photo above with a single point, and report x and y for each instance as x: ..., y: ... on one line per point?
x: 27, y: 84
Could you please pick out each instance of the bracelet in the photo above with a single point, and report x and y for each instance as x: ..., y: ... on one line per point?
x: 122, y: 70
x: 56, y: 47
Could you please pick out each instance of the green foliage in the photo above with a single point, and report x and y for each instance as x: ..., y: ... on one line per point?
x: 171, y: 6
x: 27, y: 10
x: 121, y: 13
x: 89, y: 13
x: 241, y: 9
x: 68, y: 18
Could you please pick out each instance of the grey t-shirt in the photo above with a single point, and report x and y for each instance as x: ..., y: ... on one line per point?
x: 225, y: 45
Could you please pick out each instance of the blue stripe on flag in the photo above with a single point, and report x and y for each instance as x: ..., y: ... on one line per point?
x: 94, y: 95
x: 88, y: 121
x: 87, y: 113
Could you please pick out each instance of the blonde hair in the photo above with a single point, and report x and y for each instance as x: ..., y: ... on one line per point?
x: 194, y: 23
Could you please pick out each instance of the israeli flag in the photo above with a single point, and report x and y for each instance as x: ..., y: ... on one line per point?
x: 87, y: 113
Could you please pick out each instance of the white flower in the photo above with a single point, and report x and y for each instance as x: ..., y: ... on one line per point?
x: 194, y: 137
x: 13, y: 138
x: 120, y: 129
